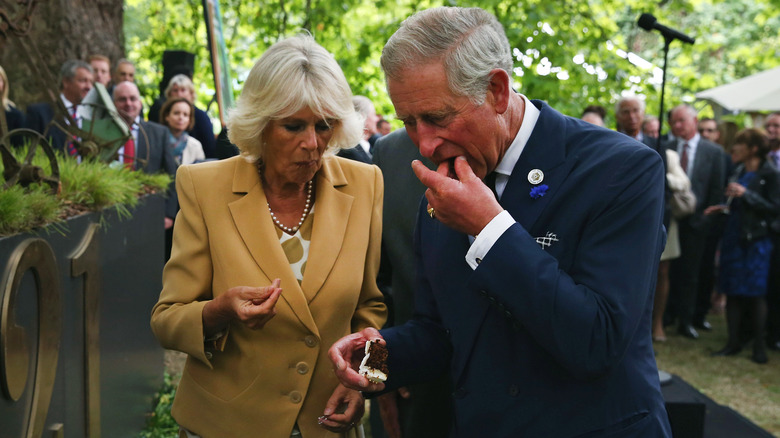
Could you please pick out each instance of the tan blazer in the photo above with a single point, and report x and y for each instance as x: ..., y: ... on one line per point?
x: 260, y: 382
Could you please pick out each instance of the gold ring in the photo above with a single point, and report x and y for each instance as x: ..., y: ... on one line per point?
x: 431, y: 212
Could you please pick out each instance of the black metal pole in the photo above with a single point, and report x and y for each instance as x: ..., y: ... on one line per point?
x: 667, y: 41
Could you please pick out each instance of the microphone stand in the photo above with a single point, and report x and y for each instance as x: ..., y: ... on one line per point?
x: 663, y: 376
x: 667, y: 42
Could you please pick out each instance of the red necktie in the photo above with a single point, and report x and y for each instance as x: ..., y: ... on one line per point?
x: 71, y: 146
x: 684, y: 158
x: 129, y: 155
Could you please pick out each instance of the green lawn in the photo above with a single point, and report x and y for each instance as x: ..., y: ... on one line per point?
x: 750, y: 389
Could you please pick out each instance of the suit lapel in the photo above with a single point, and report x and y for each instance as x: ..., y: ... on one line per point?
x: 331, y: 206
x: 257, y: 230
x: 545, y: 151
x: 701, y: 165
x: 141, y: 149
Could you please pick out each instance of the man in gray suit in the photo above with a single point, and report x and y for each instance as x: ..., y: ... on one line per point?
x: 422, y: 410
x: 703, y: 162
x: 149, y: 143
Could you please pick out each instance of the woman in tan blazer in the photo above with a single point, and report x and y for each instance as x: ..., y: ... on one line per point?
x: 274, y: 258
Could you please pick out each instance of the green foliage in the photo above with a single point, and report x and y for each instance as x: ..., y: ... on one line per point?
x: 160, y: 423
x: 23, y: 209
x: 86, y: 186
x: 571, y: 54
x: 156, y: 182
x: 97, y: 186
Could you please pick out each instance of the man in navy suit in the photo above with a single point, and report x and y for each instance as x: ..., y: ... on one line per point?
x: 537, y: 299
x: 75, y: 82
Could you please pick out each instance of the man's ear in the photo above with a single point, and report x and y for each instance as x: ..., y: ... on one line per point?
x: 499, y: 89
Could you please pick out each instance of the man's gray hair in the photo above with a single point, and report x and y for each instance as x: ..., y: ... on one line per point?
x: 620, y: 101
x: 687, y: 108
x: 470, y: 43
x: 363, y: 105
x: 68, y: 69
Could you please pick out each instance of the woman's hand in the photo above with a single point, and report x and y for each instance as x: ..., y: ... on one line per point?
x: 344, y: 410
x: 735, y: 190
x: 252, y: 306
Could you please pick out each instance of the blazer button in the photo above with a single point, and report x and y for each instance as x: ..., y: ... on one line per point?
x: 514, y: 390
x: 508, y: 314
x: 302, y: 368
x: 296, y: 397
x: 209, y: 355
x: 459, y: 393
x: 483, y: 293
x: 311, y: 341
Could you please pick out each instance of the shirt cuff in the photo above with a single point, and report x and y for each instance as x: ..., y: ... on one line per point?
x: 488, y: 237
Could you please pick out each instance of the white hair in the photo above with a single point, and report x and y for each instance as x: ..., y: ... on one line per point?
x: 629, y: 99
x: 293, y: 74
x: 363, y: 105
x: 687, y: 108
x: 469, y: 41
x: 181, y: 81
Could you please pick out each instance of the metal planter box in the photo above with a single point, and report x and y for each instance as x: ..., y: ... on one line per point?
x: 77, y: 356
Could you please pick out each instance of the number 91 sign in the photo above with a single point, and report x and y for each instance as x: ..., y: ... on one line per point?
x: 36, y: 256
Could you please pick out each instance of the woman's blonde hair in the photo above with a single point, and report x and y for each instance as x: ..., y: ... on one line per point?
x: 7, y: 104
x: 293, y: 74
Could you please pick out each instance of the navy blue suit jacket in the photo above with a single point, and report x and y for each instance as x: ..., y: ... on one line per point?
x: 39, y: 115
x: 356, y: 153
x: 548, y: 341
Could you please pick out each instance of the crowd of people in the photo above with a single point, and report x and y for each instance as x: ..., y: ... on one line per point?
x: 723, y: 253
x: 517, y: 286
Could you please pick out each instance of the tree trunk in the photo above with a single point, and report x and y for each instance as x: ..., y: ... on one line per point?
x: 60, y: 30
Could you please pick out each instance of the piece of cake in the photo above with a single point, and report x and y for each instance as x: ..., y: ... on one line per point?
x: 374, y: 365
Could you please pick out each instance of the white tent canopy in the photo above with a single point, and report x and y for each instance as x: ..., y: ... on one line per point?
x: 758, y: 92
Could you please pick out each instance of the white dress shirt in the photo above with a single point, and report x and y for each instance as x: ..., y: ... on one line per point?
x: 496, y: 227
x: 693, y: 143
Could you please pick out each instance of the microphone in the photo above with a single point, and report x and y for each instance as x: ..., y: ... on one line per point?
x: 648, y: 22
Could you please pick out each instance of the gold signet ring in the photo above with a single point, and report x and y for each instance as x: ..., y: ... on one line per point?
x: 431, y: 212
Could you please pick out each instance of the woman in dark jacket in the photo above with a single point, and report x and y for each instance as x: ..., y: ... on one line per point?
x: 753, y: 202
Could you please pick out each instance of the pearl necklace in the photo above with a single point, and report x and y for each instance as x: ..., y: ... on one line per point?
x: 306, y: 210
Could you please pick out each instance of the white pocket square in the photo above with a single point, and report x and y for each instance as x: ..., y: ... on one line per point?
x: 547, y: 240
